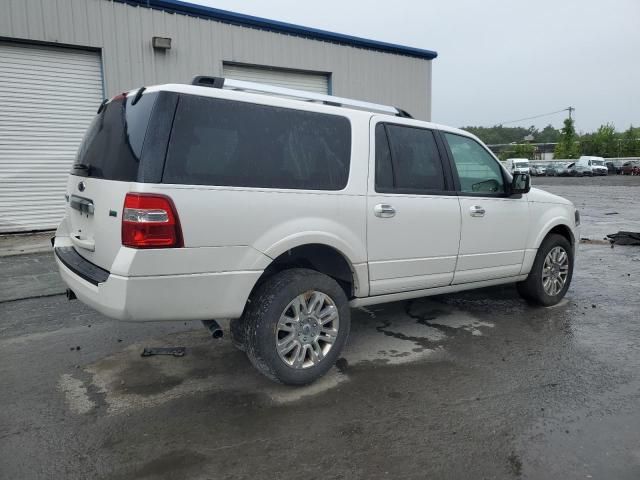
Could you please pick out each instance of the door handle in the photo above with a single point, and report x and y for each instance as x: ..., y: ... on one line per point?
x: 383, y: 210
x: 477, y: 211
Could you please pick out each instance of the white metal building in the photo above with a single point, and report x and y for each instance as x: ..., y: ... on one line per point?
x: 59, y: 59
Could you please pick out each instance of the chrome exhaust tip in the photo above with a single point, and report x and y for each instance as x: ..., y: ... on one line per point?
x: 214, y: 328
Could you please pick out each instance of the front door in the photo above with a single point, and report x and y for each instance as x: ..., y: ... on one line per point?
x: 494, y: 225
x: 413, y: 216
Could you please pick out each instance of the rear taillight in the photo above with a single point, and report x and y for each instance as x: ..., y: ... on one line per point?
x: 150, y: 221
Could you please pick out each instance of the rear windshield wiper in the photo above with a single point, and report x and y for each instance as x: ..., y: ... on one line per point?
x: 82, y: 166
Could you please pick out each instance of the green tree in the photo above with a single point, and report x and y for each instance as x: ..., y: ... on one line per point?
x: 604, y: 142
x: 520, y: 150
x: 568, y: 145
x: 630, y: 142
x: 547, y: 135
x: 498, y: 134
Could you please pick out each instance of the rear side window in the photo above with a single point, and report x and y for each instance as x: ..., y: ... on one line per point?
x: 407, y: 160
x: 229, y: 143
x: 112, y: 145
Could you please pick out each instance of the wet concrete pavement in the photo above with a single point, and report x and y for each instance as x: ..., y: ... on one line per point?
x: 473, y: 385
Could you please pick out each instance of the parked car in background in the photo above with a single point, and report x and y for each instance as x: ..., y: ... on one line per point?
x: 596, y: 164
x: 618, y: 166
x: 558, y: 169
x: 287, y: 230
x: 517, y: 165
x: 578, y: 170
x: 550, y: 170
x: 538, y: 170
x: 611, y: 168
x: 630, y: 168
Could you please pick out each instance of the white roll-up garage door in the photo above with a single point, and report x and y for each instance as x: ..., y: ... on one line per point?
x: 48, y: 97
x: 308, y: 81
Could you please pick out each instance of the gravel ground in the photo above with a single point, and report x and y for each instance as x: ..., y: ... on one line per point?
x: 607, y: 204
x: 606, y: 181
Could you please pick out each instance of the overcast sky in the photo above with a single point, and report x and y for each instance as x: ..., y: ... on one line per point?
x: 498, y: 60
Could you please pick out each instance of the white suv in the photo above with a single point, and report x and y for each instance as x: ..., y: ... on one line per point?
x: 207, y: 201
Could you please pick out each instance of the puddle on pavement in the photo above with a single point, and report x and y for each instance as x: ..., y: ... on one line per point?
x: 391, y: 334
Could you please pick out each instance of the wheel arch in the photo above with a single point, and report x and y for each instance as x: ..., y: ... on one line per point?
x: 558, y: 226
x: 321, y: 257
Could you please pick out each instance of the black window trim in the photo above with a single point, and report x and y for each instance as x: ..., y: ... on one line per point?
x: 446, y: 168
x: 157, y: 138
x: 506, y: 178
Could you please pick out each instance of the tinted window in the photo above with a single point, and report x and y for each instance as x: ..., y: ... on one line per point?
x: 477, y: 170
x: 112, y: 145
x: 409, y: 161
x: 223, y: 142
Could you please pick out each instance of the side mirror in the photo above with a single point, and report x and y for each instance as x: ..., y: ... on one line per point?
x: 521, y: 183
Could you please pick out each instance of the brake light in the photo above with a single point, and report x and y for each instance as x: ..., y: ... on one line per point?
x: 150, y: 221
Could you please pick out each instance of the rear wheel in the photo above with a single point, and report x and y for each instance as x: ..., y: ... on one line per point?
x: 551, y: 273
x: 296, y: 325
x: 236, y: 328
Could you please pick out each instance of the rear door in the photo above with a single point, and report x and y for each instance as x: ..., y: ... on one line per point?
x: 108, y: 162
x: 494, y: 225
x: 413, y: 217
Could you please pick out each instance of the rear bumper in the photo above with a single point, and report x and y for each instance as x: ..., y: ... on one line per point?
x: 199, y: 296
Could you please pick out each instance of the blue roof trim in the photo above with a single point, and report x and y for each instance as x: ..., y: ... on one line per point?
x: 176, y: 6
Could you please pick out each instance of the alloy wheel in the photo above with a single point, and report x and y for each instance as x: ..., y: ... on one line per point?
x: 307, y: 329
x: 555, y: 271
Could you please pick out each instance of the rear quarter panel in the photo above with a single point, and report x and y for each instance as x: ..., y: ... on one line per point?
x: 272, y: 221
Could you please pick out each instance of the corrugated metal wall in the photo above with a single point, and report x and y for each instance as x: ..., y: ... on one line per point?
x: 48, y: 97
x: 309, y: 82
x: 200, y: 46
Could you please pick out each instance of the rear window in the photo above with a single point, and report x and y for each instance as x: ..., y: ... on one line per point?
x: 112, y: 145
x: 229, y: 143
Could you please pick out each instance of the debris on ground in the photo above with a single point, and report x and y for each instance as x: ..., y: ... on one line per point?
x: 625, y: 238
x: 175, y: 351
x: 594, y: 242
x: 611, y: 213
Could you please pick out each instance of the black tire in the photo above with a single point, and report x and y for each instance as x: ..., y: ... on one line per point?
x: 236, y: 330
x: 263, y: 311
x: 532, y: 288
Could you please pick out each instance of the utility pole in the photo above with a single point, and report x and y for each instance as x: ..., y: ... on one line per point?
x: 571, y: 109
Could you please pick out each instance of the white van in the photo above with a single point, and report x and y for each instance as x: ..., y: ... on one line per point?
x: 517, y: 165
x: 224, y: 200
x: 596, y: 164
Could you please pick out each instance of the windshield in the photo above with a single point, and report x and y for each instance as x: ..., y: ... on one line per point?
x: 521, y: 164
x: 112, y: 145
x: 599, y: 163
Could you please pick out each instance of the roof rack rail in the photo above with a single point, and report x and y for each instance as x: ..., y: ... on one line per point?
x: 241, y: 85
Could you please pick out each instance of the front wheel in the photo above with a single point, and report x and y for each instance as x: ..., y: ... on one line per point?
x: 551, y: 273
x: 295, y: 326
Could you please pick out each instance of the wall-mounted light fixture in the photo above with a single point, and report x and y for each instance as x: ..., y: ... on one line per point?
x: 161, y: 43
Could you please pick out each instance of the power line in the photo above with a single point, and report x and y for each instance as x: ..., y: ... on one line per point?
x: 570, y: 109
